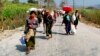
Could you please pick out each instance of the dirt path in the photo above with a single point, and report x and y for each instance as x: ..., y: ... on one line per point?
x: 85, y: 43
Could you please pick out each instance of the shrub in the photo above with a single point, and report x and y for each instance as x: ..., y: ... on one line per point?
x: 14, y: 14
x: 92, y: 15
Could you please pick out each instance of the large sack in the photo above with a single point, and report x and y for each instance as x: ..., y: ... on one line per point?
x: 29, y: 34
x: 73, y: 30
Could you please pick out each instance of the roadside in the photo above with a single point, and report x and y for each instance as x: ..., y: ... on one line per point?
x: 89, y: 23
x: 84, y: 43
x: 7, y: 33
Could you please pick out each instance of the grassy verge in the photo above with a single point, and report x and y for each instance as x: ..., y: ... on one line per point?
x: 91, y: 16
x: 13, y: 15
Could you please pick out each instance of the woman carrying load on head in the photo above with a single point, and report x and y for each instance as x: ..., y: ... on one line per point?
x: 67, y: 22
x: 67, y: 19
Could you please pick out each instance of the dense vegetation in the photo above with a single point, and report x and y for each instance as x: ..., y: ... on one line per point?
x: 92, y: 15
x: 13, y: 15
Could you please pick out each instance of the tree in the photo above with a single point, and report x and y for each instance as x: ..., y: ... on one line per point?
x: 45, y: 0
x: 62, y: 4
x: 15, y: 1
x: 32, y: 1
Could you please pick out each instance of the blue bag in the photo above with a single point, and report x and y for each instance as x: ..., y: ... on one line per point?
x: 22, y: 40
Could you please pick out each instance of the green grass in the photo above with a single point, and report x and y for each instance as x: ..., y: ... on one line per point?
x: 14, y: 14
x: 92, y: 15
x: 11, y: 10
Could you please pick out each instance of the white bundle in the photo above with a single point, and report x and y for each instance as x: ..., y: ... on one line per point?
x: 40, y: 9
x: 31, y: 9
x: 73, y: 30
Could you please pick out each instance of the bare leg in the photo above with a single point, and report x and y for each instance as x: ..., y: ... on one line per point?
x: 28, y: 50
x: 44, y: 28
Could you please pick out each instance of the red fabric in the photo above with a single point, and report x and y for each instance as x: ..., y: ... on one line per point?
x: 67, y: 8
x: 32, y: 19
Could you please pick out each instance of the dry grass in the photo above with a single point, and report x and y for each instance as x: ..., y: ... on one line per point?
x: 13, y: 15
x: 91, y: 15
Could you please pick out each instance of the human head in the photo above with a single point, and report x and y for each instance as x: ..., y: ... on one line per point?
x: 38, y: 12
x: 76, y: 11
x: 33, y: 13
x: 67, y: 12
x: 48, y: 12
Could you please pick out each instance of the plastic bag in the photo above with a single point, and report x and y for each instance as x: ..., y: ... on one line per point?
x: 73, y: 30
x: 22, y: 40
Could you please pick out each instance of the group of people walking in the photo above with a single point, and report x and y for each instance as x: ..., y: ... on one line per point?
x: 34, y: 20
x: 70, y: 19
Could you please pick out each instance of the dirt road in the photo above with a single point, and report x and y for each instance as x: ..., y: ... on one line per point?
x: 85, y: 43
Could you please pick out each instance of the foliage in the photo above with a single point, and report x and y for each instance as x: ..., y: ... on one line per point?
x: 15, y: 1
x: 92, y: 15
x: 14, y: 15
x: 32, y: 1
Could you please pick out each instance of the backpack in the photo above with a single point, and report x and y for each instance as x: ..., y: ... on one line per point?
x: 67, y: 18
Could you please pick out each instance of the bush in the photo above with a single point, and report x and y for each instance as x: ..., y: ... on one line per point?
x: 92, y: 15
x: 14, y: 14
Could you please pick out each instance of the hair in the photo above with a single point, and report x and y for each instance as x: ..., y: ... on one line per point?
x: 76, y: 11
x: 67, y: 12
x: 38, y: 12
x: 32, y: 12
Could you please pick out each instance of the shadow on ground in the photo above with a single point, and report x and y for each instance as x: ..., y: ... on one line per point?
x: 52, y: 33
x: 21, y: 48
x: 39, y: 31
x: 58, y: 25
x: 41, y: 37
x: 58, y: 33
